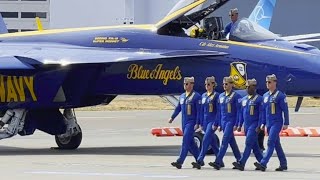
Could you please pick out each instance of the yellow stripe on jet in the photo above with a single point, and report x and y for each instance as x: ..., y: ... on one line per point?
x: 262, y: 47
x: 39, y: 24
x: 178, y: 13
x: 56, y: 31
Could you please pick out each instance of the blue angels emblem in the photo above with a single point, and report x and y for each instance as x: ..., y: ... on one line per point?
x: 239, y: 74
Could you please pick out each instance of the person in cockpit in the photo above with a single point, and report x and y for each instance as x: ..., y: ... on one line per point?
x: 234, y: 18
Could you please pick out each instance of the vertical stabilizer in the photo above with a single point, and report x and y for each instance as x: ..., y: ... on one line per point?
x: 3, y: 26
x: 263, y: 12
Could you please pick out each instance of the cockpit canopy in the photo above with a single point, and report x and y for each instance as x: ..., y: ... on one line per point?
x: 246, y: 31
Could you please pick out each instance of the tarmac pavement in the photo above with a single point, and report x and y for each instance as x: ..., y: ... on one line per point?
x: 119, y: 145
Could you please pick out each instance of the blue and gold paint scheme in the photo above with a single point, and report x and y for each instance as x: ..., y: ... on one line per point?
x: 165, y: 75
x: 15, y: 88
x: 238, y: 72
x: 79, y: 67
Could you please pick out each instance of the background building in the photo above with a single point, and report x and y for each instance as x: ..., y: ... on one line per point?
x: 107, y: 12
x: 19, y: 15
x: 290, y: 16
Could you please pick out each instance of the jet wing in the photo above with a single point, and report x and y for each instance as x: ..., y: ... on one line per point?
x: 303, y: 38
x: 11, y: 62
x: 26, y: 56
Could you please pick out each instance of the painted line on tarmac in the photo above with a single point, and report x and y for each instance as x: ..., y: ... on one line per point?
x: 101, y: 117
x: 301, y: 113
x: 106, y: 174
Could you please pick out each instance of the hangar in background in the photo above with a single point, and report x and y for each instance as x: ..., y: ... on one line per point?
x: 290, y: 16
x: 19, y: 15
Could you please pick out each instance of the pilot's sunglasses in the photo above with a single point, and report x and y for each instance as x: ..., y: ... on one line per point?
x: 225, y: 84
x: 268, y: 82
x: 186, y: 84
x: 207, y: 84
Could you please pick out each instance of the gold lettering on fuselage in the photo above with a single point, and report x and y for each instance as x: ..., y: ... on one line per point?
x: 110, y: 40
x: 213, y: 45
x: 136, y: 71
x: 14, y: 88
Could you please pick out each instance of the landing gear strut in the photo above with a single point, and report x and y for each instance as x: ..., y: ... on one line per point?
x: 15, y: 119
x: 73, y: 136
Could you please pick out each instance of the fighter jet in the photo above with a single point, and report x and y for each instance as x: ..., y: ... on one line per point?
x: 43, y: 72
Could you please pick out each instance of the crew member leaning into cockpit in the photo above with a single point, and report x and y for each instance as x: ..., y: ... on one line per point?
x: 197, y: 32
x: 234, y: 18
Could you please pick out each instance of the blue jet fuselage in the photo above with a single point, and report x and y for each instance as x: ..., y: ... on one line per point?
x: 297, y: 68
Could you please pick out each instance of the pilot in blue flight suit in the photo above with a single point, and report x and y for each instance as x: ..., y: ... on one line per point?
x: 251, y: 115
x: 275, y: 106
x: 234, y: 18
x: 190, y: 106
x: 210, y: 115
x: 229, y: 109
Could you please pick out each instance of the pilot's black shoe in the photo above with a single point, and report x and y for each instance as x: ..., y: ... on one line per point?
x: 196, y: 165
x: 210, y: 164
x: 201, y: 164
x: 176, y: 164
x: 216, y: 166
x: 222, y: 165
x: 282, y: 168
x: 234, y: 166
x: 238, y: 166
x: 260, y: 167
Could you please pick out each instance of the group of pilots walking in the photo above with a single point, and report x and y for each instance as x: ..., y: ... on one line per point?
x: 228, y: 112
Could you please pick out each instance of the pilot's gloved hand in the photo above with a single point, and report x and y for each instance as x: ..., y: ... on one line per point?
x: 201, y: 30
x: 235, y: 128
x: 214, y: 127
x: 285, y: 127
x: 194, y: 32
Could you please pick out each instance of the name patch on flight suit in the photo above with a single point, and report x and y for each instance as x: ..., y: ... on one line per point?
x: 210, y: 107
x: 228, y: 100
x: 189, y: 109
x: 210, y: 102
x: 273, y: 102
x: 188, y: 102
x: 273, y: 107
x: 252, y: 104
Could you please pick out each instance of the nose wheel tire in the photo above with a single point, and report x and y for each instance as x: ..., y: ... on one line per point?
x: 69, y: 143
x: 198, y: 138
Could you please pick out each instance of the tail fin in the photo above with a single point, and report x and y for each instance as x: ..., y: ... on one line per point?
x: 3, y: 27
x: 39, y: 24
x: 263, y: 12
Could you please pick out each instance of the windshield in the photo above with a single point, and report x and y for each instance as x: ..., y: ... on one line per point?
x: 246, y: 30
